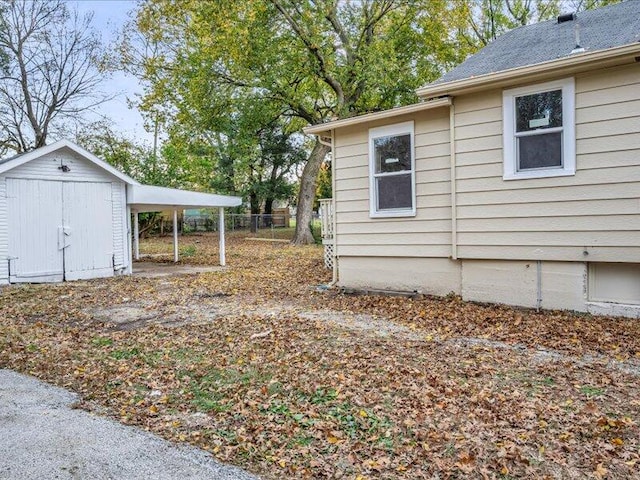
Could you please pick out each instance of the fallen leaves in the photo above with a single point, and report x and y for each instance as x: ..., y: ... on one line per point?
x: 234, y: 363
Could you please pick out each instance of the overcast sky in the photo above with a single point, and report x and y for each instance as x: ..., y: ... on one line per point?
x: 109, y: 16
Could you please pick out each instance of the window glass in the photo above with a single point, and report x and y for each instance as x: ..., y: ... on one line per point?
x: 538, y: 111
x: 540, y: 151
x: 394, y: 192
x: 392, y: 154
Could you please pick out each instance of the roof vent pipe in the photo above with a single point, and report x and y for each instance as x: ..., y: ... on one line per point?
x: 567, y: 17
x: 578, y: 48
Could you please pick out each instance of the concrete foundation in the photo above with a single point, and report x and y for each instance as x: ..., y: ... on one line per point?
x: 545, y: 284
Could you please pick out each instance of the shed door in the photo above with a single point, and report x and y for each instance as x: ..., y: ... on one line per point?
x: 59, y: 230
x: 88, y: 225
x: 35, y: 231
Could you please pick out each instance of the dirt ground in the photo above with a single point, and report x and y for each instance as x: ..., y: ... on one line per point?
x: 257, y: 365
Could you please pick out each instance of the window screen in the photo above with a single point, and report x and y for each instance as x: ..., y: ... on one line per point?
x: 540, y: 151
x: 394, y: 192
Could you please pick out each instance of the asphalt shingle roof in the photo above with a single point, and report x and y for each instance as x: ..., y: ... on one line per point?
x: 606, y: 27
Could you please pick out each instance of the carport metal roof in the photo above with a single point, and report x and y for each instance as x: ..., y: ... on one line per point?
x: 149, y: 198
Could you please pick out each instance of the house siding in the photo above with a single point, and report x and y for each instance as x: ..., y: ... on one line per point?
x: 428, y: 234
x: 503, y: 228
x: 594, y: 215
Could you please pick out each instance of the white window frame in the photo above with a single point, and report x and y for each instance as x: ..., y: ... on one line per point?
x: 390, y: 131
x: 568, y: 130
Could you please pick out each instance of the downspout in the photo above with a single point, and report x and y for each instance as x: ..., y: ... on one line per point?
x: 334, y: 279
x: 325, y: 143
x: 331, y: 145
x: 452, y: 155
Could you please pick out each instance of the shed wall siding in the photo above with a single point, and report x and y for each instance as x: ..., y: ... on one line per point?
x: 46, y: 168
x: 428, y: 234
x: 81, y: 170
x: 594, y: 215
x: 4, y: 232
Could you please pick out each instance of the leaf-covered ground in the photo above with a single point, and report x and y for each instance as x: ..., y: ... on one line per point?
x: 266, y: 371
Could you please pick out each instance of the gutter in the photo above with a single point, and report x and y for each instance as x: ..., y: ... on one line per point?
x: 576, y: 61
x: 334, y: 279
x: 323, y: 129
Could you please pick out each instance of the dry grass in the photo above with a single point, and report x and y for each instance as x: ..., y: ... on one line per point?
x: 264, y: 371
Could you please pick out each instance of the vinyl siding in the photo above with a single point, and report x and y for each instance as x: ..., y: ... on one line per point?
x: 4, y: 232
x: 428, y: 234
x: 593, y: 215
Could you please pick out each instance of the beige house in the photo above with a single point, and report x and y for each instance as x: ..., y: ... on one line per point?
x: 516, y: 180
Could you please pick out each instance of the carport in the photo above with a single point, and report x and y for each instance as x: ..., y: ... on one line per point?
x: 149, y: 198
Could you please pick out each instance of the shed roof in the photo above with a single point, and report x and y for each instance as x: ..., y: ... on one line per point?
x: 599, y: 29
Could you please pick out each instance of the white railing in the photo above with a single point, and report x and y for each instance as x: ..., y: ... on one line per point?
x: 326, y: 229
x: 326, y: 218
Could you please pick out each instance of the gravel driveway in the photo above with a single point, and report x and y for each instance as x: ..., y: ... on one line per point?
x: 42, y: 437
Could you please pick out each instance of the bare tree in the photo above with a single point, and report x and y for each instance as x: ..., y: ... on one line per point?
x: 49, y: 71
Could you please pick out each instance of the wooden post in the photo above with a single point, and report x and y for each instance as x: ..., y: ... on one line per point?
x: 223, y: 260
x: 136, y: 236
x: 175, y: 236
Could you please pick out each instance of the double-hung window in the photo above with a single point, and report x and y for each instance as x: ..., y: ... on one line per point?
x: 392, y: 171
x: 539, y: 130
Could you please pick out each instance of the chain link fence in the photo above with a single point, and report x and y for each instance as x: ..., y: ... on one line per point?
x: 280, y: 226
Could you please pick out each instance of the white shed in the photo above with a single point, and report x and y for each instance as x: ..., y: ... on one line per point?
x: 65, y: 215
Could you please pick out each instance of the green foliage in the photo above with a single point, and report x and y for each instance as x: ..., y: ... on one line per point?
x: 188, y: 251
x: 325, y: 187
x: 237, y: 81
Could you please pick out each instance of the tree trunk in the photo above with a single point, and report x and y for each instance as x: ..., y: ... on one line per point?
x: 268, y: 211
x: 255, y: 211
x: 307, y: 195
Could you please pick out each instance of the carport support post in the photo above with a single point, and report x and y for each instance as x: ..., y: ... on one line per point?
x: 136, y: 236
x: 175, y: 236
x: 223, y: 260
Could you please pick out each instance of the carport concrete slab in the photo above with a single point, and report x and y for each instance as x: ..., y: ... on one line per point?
x: 155, y: 270
x: 43, y: 437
